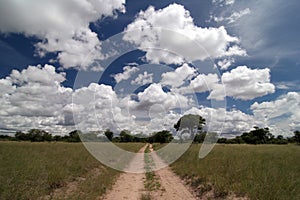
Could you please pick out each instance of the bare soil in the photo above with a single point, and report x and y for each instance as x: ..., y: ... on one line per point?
x: 173, y: 187
x: 129, y: 185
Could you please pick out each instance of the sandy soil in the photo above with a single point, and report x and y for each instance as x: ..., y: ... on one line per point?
x: 173, y: 186
x: 129, y: 185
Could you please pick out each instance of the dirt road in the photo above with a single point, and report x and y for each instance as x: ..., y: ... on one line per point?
x: 173, y: 186
x: 131, y: 186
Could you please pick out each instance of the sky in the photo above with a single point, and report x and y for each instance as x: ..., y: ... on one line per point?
x: 141, y: 65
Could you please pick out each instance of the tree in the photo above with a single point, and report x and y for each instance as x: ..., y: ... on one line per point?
x: 125, y: 136
x: 57, y: 138
x: 199, y: 138
x: 109, y: 134
x: 74, y: 136
x: 297, y: 136
x: 37, y: 135
x: 222, y: 140
x: 161, y: 137
x: 47, y: 137
x: 192, y: 123
x: 20, y: 136
x: 258, y: 136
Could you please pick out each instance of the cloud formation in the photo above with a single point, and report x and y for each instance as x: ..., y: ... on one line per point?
x: 178, y: 77
x: 128, y: 71
x: 62, y: 26
x: 282, y: 115
x: 170, y: 36
x: 143, y: 79
x: 29, y: 100
x: 239, y: 83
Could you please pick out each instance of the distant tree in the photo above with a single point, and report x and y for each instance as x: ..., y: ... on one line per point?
x: 258, y: 136
x: 125, y: 136
x: 279, y: 137
x: 140, y: 137
x: 116, y: 139
x: 47, y: 137
x: 161, y: 137
x: 279, y: 140
x: 74, y: 136
x: 192, y: 123
x: 36, y: 135
x: 109, y: 134
x: 222, y: 140
x: 297, y: 136
x: 20, y: 136
x: 6, y: 138
x: 57, y: 138
x: 199, y: 138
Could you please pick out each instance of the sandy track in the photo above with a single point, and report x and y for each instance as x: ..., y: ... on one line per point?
x: 173, y: 186
x: 129, y: 185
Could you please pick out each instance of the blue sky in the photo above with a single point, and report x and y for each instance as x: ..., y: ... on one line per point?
x: 247, y: 74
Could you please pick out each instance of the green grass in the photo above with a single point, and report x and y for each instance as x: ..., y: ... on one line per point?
x: 255, y: 171
x: 33, y: 170
x: 151, y: 182
x: 132, y: 147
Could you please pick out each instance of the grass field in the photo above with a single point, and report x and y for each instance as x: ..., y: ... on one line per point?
x: 34, y: 170
x: 255, y: 171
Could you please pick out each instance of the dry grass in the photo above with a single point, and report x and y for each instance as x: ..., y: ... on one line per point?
x: 33, y: 170
x: 255, y: 171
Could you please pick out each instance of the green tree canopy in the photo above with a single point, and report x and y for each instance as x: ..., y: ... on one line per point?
x: 192, y: 123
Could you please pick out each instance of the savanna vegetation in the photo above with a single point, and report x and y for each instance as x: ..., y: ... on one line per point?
x: 44, y: 163
x: 256, y: 172
x: 35, y: 170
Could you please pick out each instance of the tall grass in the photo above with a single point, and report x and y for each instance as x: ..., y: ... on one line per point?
x: 255, y: 171
x: 33, y: 170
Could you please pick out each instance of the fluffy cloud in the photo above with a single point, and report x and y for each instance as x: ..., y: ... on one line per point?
x: 224, y: 64
x: 143, y: 79
x: 201, y: 83
x: 179, y: 76
x: 62, y: 26
x: 169, y: 35
x: 33, y: 97
x: 244, y: 83
x: 154, y: 94
x: 240, y: 83
x: 128, y: 71
x: 281, y: 115
x: 221, y: 121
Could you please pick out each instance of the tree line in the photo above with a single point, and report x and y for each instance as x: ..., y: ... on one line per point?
x: 38, y: 135
x: 256, y: 136
x: 189, y: 128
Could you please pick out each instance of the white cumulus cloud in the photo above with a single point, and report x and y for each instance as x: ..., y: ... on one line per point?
x: 62, y: 26
x: 143, y: 79
x: 244, y: 83
x: 169, y: 35
x: 178, y: 77
x: 282, y: 115
x: 128, y: 71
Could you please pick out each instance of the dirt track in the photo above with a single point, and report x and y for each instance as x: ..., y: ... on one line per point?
x: 131, y: 186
